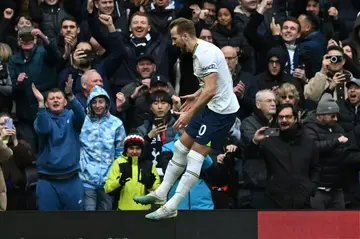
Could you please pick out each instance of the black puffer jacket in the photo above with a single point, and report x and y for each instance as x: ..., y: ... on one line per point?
x: 348, y: 117
x: 331, y: 151
x: 266, y: 80
x: 292, y: 164
x: 223, y: 36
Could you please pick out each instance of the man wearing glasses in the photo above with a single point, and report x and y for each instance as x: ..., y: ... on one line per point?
x: 244, y: 84
x: 291, y: 158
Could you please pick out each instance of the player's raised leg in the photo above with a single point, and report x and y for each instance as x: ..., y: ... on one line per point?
x: 174, y: 169
x: 195, y: 160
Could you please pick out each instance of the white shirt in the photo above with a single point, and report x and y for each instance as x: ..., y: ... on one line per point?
x: 207, y: 59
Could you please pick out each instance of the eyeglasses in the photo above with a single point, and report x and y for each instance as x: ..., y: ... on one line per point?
x: 206, y: 38
x: 272, y: 61
x: 290, y: 97
x: 286, y: 117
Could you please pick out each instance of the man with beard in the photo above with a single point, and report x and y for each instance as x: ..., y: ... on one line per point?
x: 329, y: 140
x: 349, y: 119
x: 210, y: 13
x: 291, y: 159
x: 84, y: 56
x: 207, y: 116
x: 312, y: 41
x: 349, y: 116
x: 332, y: 77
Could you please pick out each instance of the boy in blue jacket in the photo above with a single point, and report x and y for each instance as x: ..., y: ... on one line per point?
x: 59, y: 186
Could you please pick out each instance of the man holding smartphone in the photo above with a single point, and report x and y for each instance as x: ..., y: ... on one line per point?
x: 292, y: 162
x: 331, y: 78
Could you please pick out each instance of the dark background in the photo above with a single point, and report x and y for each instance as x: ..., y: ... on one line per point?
x: 227, y: 224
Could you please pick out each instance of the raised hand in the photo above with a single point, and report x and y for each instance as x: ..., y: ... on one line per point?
x: 37, y: 94
x: 8, y: 13
x: 120, y: 100
x: 68, y: 85
x: 107, y: 21
x: 275, y: 28
x: 90, y: 6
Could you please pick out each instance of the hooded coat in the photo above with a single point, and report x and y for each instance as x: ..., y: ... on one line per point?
x: 101, y: 142
x: 267, y: 81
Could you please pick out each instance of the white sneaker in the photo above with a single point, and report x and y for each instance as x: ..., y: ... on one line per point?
x: 161, y: 214
x: 150, y: 198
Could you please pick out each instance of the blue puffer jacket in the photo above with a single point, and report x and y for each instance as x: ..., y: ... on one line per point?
x: 102, y: 141
x: 199, y: 197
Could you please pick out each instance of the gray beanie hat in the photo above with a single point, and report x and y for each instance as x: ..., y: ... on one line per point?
x: 327, y: 105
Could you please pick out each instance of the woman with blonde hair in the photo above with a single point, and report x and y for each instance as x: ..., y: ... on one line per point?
x: 287, y: 93
x: 5, y: 80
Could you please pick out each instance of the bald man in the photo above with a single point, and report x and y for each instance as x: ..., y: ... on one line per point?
x: 245, y: 86
x: 89, y: 79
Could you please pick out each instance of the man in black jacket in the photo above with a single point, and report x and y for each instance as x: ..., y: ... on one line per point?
x: 349, y: 116
x: 140, y: 42
x: 291, y: 159
x: 254, y: 168
x: 329, y: 140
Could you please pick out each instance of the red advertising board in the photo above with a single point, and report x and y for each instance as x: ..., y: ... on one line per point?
x: 309, y: 224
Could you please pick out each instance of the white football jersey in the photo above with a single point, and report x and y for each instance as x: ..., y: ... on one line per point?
x: 207, y: 59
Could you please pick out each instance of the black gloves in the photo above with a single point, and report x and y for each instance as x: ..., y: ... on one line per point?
x: 123, y: 179
x: 148, y: 180
x: 125, y: 170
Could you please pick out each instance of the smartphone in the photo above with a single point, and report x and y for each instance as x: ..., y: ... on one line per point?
x: 272, y: 132
x: 89, y: 54
x: 9, y: 124
x: 347, y: 76
x: 159, y: 121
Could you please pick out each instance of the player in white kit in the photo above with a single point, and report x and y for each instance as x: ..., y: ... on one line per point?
x: 208, y: 116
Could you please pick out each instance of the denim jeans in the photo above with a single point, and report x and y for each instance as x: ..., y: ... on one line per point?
x: 97, y: 200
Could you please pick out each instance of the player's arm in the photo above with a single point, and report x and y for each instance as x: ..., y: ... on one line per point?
x: 207, y: 92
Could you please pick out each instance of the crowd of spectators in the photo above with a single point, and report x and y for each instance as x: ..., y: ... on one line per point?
x: 89, y: 91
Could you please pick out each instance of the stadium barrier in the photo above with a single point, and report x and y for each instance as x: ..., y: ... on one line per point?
x: 218, y: 224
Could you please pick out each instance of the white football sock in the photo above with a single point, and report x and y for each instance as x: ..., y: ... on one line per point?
x: 174, y: 169
x: 188, y: 180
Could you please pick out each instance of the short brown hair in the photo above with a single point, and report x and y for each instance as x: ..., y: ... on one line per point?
x: 54, y: 90
x: 140, y: 14
x: 184, y: 26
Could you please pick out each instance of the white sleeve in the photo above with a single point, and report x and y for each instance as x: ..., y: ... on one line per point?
x: 208, y: 63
